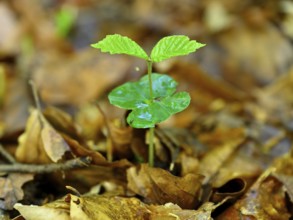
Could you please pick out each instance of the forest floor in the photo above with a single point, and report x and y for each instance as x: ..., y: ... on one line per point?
x: 65, y: 150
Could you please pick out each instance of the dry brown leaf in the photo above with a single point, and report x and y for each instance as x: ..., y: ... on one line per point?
x: 30, y: 146
x: 40, y: 143
x: 89, y: 207
x: 10, y: 189
x: 77, y: 79
x: 259, y: 203
x: 90, y: 120
x: 158, y: 186
x: 14, y: 109
x: 274, y: 101
x: 232, y: 189
x: 55, y: 210
x: 111, y: 207
x: 287, y: 181
x: 9, y: 31
x: 238, y: 166
x: 54, y: 144
x: 171, y: 211
x: 255, y: 56
x: 61, y: 121
x: 220, y: 154
x: 121, y: 138
x: 107, y: 208
x: 266, y: 199
x: 80, y: 151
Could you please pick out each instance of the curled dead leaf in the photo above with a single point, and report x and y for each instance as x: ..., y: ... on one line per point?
x: 30, y: 146
x: 158, y: 186
x: 54, y: 144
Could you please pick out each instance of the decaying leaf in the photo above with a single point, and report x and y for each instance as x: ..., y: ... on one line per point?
x: 10, y: 189
x: 266, y: 199
x: 55, y: 210
x: 61, y: 121
x: 158, y: 186
x: 171, y: 211
x: 14, y: 109
x: 111, y: 207
x: 90, y: 120
x: 9, y: 31
x: 90, y: 207
x: 31, y: 147
x: 40, y: 143
x: 54, y: 144
x: 81, y: 151
x: 220, y: 154
x: 121, y: 138
x: 287, y: 181
x: 58, y: 76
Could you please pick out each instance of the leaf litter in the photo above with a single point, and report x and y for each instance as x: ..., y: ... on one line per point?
x: 227, y: 156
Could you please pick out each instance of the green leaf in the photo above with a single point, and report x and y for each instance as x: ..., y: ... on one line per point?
x: 145, y: 112
x: 117, y: 44
x: 155, y: 112
x: 171, y: 46
x: 132, y: 95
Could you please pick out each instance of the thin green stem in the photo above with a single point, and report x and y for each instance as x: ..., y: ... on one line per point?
x: 151, y: 130
x: 151, y: 147
x: 150, y: 65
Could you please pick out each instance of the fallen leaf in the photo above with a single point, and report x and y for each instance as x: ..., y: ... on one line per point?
x: 266, y: 199
x: 56, y: 210
x: 220, y: 154
x: 111, y: 207
x: 106, y: 208
x: 58, y: 76
x: 158, y: 186
x: 254, y: 56
x: 81, y: 151
x: 9, y: 32
x: 61, y: 121
x: 10, y: 189
x: 287, y: 181
x: 54, y: 144
x: 90, y: 120
x: 89, y: 207
x: 14, y: 109
x: 40, y: 143
x: 30, y: 145
x: 171, y: 211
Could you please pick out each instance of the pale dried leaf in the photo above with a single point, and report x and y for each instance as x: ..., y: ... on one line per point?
x: 54, y: 144
x: 30, y: 146
x: 10, y: 189
x: 31, y: 212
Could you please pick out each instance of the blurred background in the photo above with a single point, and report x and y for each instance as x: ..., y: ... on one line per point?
x: 249, y: 47
x: 240, y: 83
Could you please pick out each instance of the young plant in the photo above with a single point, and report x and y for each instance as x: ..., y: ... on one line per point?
x: 153, y: 98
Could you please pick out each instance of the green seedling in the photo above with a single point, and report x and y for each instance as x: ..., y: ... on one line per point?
x: 153, y: 98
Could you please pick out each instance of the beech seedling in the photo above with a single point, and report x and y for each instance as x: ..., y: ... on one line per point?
x: 153, y: 98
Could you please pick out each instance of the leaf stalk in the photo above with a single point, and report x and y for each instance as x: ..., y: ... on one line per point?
x: 151, y: 150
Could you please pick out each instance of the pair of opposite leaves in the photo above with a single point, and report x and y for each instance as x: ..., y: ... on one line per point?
x: 147, y: 111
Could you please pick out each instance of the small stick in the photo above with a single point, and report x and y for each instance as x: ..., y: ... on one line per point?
x: 7, y: 155
x: 46, y: 168
x: 35, y: 95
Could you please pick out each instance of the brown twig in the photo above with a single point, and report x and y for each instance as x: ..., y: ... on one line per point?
x: 7, y: 155
x: 46, y: 168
